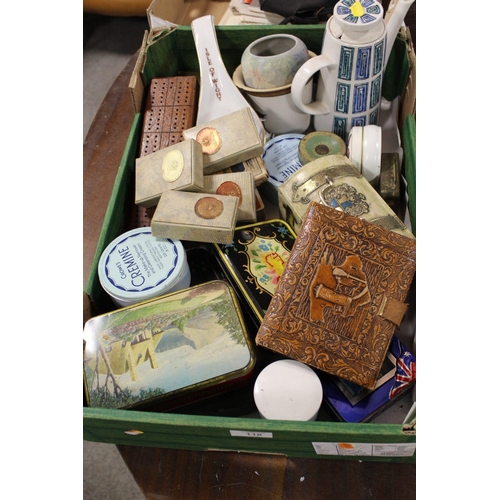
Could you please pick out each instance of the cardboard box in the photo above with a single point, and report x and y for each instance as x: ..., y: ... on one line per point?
x: 240, y: 184
x: 171, y: 52
x: 203, y: 217
x: 226, y: 141
x: 255, y: 166
x: 178, y: 167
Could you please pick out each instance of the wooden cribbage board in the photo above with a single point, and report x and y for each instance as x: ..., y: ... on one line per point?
x: 171, y: 107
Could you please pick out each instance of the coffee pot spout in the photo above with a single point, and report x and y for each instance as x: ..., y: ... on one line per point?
x: 393, y: 20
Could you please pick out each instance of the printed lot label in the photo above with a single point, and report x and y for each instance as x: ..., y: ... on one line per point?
x: 366, y: 449
x: 253, y: 434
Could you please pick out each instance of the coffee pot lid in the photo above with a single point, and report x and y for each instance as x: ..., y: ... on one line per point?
x: 355, y: 17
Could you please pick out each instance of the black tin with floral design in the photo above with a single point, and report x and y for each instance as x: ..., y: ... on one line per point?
x: 254, y: 262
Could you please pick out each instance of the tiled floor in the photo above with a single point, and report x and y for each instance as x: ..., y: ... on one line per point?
x: 108, y: 44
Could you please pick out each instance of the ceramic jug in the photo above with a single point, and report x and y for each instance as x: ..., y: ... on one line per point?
x: 356, y: 46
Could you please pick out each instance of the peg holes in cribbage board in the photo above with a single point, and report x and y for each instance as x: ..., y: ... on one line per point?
x: 170, y: 109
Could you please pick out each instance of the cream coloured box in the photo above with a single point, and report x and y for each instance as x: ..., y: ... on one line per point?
x: 226, y: 141
x: 184, y: 215
x: 176, y: 167
x: 241, y: 185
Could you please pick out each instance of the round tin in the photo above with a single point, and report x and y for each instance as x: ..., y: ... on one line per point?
x: 288, y: 390
x: 319, y: 144
x: 364, y: 149
x: 136, y: 266
x: 281, y: 160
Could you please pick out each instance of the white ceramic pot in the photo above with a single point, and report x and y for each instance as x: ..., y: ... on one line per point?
x: 364, y: 149
x: 288, y: 390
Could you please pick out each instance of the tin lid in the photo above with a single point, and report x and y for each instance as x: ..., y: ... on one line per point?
x: 288, y: 390
x: 137, y: 266
x: 319, y: 144
x: 281, y: 157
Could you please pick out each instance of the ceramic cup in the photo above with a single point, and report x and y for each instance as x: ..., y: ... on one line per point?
x: 364, y: 149
x: 272, y: 61
x: 279, y: 113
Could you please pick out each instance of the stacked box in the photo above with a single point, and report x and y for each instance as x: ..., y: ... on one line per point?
x: 176, y: 167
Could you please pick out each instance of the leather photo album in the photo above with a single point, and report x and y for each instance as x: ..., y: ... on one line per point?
x: 341, y: 296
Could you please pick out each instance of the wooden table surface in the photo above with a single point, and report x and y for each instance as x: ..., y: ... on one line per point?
x: 186, y: 475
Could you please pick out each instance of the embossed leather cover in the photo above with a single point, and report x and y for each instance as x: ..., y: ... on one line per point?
x: 341, y: 295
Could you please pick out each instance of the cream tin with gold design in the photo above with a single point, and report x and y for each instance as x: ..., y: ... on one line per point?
x: 239, y: 184
x: 177, y: 167
x: 204, y: 217
x: 226, y: 141
x: 334, y: 181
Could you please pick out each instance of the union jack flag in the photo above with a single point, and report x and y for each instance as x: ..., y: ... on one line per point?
x: 406, y: 373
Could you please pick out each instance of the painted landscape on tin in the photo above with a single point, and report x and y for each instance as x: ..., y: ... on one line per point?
x: 136, y: 354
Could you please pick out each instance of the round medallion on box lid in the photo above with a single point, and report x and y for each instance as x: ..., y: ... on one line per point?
x: 288, y: 390
x: 319, y: 144
x: 136, y: 266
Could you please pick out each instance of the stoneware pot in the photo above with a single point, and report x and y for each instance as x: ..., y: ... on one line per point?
x: 279, y: 113
x: 272, y: 61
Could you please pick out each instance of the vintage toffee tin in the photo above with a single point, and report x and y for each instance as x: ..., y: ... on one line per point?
x: 168, y: 352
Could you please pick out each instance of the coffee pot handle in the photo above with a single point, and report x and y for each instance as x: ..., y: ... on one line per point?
x: 303, y: 75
